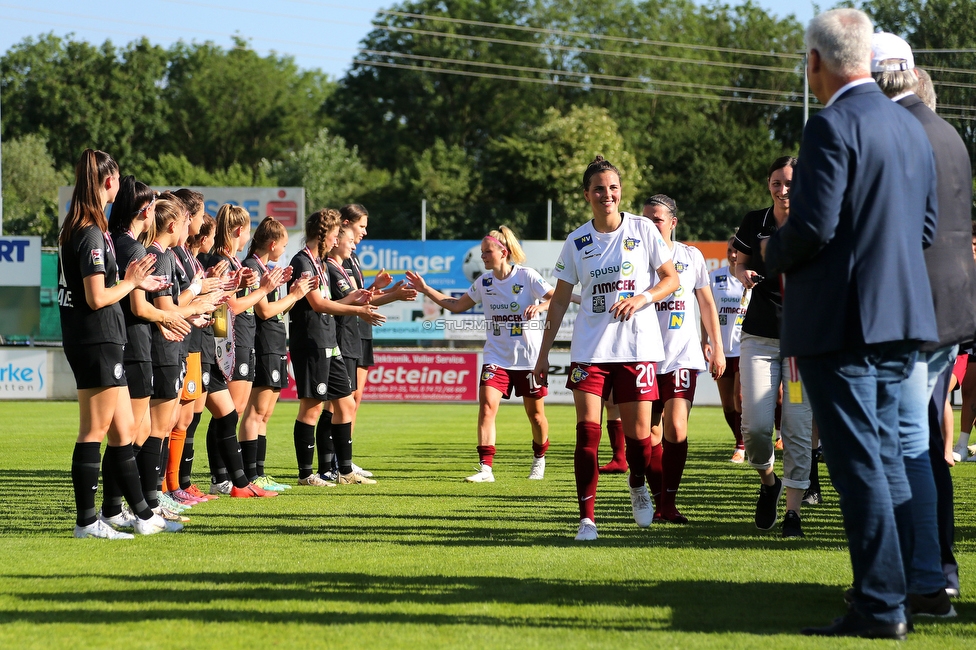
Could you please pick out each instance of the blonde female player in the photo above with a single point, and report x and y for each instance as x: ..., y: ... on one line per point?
x: 270, y: 350
x: 512, y: 296
x: 678, y: 375
x: 623, y: 265
x: 93, y: 331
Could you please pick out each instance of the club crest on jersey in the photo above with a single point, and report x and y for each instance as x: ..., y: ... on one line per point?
x: 486, y: 281
x: 242, y: 370
x: 626, y: 269
x: 206, y: 379
x: 191, y: 387
x: 486, y: 375
x: 599, y: 304
x: 275, y: 375
x: 631, y: 243
x: 320, y: 389
x: 517, y: 289
x: 583, y: 242
x: 117, y: 371
x: 559, y: 264
x: 723, y: 319
x: 680, y: 267
x: 677, y: 320
x: 578, y: 375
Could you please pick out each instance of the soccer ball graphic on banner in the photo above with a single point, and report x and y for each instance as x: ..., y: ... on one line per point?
x: 472, y: 266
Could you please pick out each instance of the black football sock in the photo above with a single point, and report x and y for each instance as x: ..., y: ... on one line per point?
x: 323, y: 438
x: 186, y: 462
x: 126, y: 474
x: 249, y: 453
x: 230, y: 449
x: 218, y: 470
x: 84, y: 480
x: 163, y: 461
x: 342, y: 439
x: 147, y: 462
x: 262, y: 454
x: 111, y: 494
x: 304, y: 448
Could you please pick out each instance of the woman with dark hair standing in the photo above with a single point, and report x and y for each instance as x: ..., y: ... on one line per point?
x: 93, y: 331
x: 320, y: 371
x: 356, y: 219
x: 763, y: 370
x: 624, y: 266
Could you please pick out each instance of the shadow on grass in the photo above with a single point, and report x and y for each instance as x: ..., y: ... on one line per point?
x: 707, y: 606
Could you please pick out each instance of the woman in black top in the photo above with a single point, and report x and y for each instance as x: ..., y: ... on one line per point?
x: 320, y: 372
x: 762, y: 370
x: 270, y: 348
x: 93, y: 331
x: 356, y: 219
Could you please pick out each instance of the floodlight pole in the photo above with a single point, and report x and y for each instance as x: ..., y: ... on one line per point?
x: 423, y: 220
x: 549, y: 220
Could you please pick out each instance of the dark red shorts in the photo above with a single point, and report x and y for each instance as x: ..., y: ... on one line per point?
x: 959, y: 369
x: 505, y: 380
x: 731, y: 366
x: 630, y: 382
x: 679, y: 383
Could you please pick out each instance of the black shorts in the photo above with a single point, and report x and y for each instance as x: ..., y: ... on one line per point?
x: 366, y: 361
x: 167, y: 381
x: 213, y: 378
x: 271, y: 371
x: 96, y: 366
x: 351, y: 366
x: 320, y: 376
x: 139, y: 375
x: 243, y: 364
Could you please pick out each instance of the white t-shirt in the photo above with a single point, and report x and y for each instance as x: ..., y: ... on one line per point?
x: 731, y: 300
x: 610, y: 267
x: 676, y: 313
x: 512, y: 343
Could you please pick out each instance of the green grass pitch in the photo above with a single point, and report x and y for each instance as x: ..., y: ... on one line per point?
x: 424, y: 560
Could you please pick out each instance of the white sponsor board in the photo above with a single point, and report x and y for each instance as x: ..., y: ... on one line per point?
x: 20, y: 261
x: 23, y: 374
x: 286, y: 204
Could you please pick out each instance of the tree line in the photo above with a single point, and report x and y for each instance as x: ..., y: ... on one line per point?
x: 486, y: 109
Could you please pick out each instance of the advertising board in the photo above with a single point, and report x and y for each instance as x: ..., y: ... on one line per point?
x: 23, y: 374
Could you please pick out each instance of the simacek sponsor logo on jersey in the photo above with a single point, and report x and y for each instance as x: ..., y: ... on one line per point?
x: 601, y: 288
x: 595, y: 273
x: 670, y: 305
x: 506, y: 318
x: 677, y: 320
x: 626, y: 269
x: 732, y: 310
x: 583, y: 242
x: 631, y: 243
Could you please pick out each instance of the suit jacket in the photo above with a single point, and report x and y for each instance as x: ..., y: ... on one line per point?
x: 952, y: 272
x: 862, y: 204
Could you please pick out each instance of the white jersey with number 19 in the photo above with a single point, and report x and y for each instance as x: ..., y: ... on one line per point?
x: 682, y: 342
x: 610, y: 267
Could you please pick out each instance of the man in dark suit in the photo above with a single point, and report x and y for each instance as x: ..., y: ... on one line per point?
x: 952, y: 279
x: 854, y: 308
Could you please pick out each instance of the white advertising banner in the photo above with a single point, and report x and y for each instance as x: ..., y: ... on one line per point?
x: 23, y: 374
x: 20, y: 261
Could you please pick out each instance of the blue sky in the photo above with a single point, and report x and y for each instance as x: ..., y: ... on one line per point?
x: 317, y: 33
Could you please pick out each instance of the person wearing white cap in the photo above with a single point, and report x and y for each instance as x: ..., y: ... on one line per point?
x: 863, y: 206
x: 952, y: 279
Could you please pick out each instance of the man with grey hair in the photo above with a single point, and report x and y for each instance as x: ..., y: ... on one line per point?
x: 925, y: 90
x: 863, y: 206
x: 952, y: 279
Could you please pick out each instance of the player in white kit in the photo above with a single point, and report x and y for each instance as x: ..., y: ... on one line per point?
x: 623, y: 265
x: 513, y: 297
x: 683, y: 360
x: 731, y: 301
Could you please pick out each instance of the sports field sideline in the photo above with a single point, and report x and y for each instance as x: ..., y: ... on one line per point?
x: 423, y: 559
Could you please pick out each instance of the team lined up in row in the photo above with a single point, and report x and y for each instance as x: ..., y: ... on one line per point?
x: 140, y: 297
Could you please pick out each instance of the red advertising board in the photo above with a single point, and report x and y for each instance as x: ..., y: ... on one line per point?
x: 423, y: 377
x: 414, y: 376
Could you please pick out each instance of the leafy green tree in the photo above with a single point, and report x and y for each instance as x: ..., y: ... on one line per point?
x: 30, y: 189
x: 170, y: 170
x: 75, y: 95
x: 331, y: 173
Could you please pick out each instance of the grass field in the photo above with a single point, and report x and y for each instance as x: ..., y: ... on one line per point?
x: 425, y: 560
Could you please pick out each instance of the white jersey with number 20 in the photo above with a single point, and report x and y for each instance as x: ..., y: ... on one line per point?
x: 610, y: 267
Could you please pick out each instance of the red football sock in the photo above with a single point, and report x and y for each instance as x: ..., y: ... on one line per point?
x: 615, y: 431
x: 585, y: 466
x: 778, y: 416
x: 540, y: 450
x: 673, y: 465
x: 734, y: 420
x: 638, y: 455
x: 486, y: 454
x: 655, y: 474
